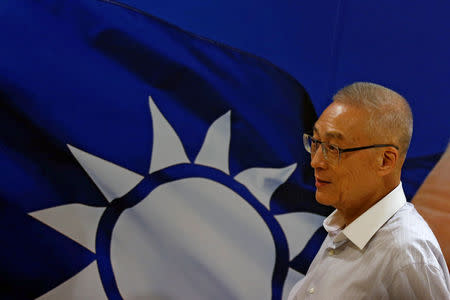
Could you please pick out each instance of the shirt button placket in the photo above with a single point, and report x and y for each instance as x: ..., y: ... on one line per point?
x: 311, y: 291
x: 331, y: 252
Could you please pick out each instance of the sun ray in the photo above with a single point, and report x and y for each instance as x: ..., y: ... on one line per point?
x: 112, y: 180
x: 167, y: 148
x: 298, y: 228
x: 76, y: 221
x: 214, y: 151
x: 84, y: 285
x: 262, y: 182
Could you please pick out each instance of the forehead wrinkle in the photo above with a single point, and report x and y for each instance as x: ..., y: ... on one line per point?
x: 330, y: 134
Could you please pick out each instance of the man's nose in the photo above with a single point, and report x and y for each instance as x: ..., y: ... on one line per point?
x: 318, y: 159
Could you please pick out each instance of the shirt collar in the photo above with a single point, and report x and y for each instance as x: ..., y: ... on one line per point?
x: 361, y: 230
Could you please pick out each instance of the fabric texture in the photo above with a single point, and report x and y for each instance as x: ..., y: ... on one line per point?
x: 400, y: 260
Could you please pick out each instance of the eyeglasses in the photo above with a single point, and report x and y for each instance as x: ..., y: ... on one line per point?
x: 332, y: 153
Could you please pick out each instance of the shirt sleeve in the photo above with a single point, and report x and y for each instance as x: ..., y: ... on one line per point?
x: 419, y: 281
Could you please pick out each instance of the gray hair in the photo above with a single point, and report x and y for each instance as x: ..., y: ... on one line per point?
x: 390, y: 114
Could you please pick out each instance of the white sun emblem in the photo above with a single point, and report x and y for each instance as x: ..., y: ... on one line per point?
x: 185, y: 230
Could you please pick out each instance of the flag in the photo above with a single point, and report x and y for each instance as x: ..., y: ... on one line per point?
x: 140, y: 161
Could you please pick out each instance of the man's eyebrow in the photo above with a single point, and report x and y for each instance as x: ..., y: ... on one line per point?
x: 330, y: 134
x: 334, y: 135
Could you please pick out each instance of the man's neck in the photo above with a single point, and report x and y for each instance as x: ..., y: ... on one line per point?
x: 353, y: 213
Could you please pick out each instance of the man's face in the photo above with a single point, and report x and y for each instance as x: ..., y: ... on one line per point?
x: 351, y: 182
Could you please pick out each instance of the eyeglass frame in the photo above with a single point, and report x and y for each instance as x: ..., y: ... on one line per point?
x: 340, y: 150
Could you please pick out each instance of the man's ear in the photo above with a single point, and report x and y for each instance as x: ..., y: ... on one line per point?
x: 388, y: 160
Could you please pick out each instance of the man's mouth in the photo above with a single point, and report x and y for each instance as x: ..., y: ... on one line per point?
x: 321, y: 182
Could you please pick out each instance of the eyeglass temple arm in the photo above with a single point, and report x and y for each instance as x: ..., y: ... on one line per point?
x: 367, y: 147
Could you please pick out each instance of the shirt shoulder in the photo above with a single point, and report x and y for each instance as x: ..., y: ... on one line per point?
x: 410, y: 252
x: 408, y: 239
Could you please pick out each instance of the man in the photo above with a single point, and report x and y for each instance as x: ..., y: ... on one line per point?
x: 378, y: 246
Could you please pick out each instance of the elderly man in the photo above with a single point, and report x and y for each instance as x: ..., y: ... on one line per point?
x: 378, y: 246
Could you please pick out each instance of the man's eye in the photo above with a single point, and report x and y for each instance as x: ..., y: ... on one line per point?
x: 332, y: 149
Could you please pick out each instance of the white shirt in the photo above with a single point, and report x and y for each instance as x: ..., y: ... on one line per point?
x: 388, y: 252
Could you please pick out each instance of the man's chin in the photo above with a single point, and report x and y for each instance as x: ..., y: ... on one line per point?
x: 324, y: 198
